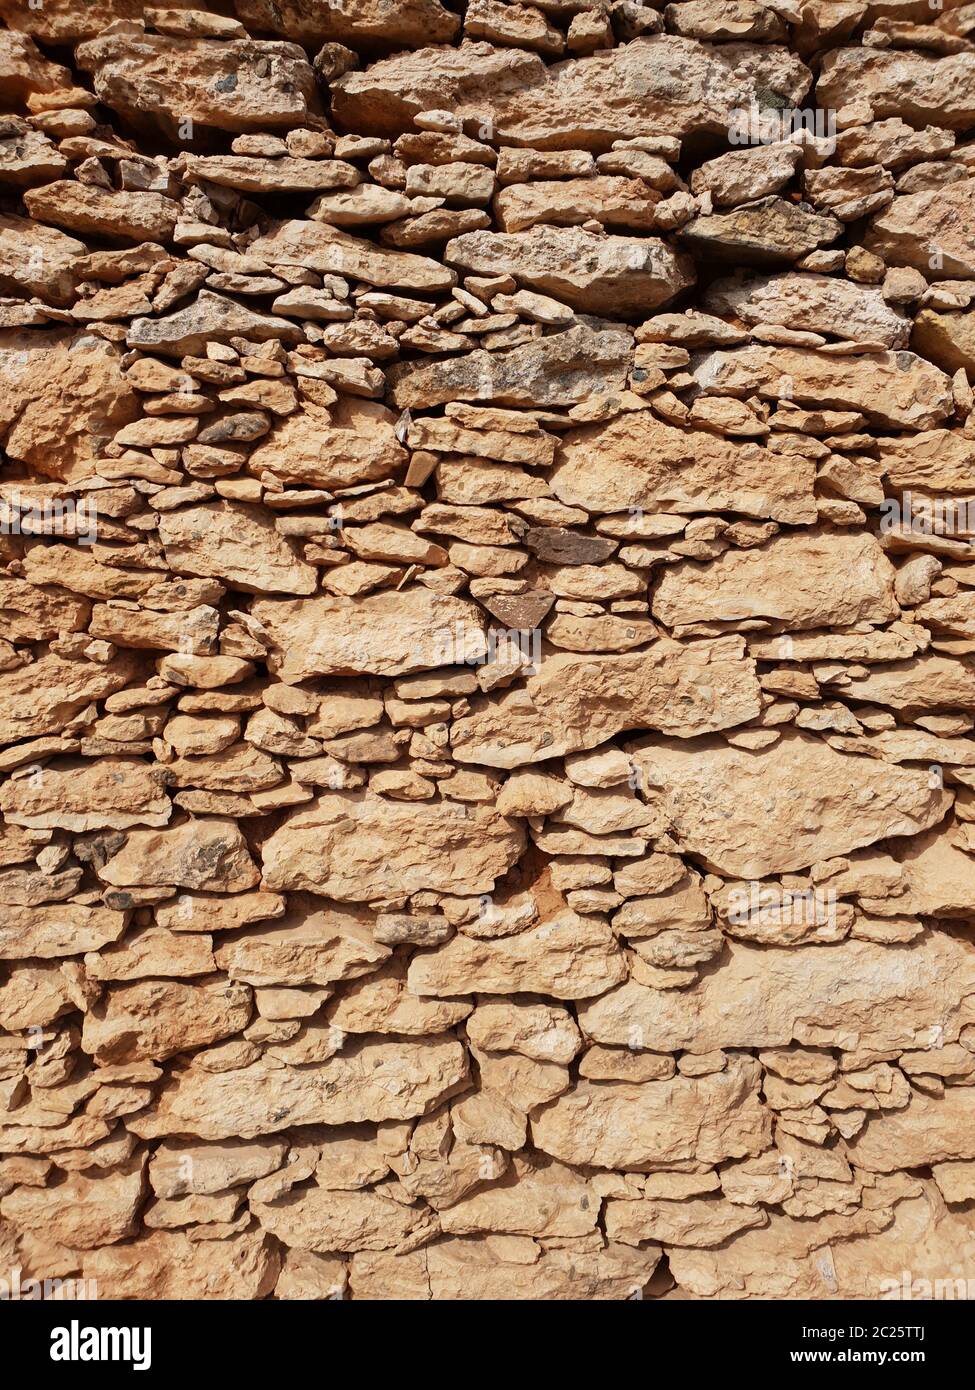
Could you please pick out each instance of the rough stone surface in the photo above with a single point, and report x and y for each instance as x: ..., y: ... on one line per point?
x: 487, y: 649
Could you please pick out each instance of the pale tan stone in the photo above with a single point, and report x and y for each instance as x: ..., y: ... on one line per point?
x: 620, y: 1125
x: 111, y: 793
x: 822, y: 803
x: 355, y: 847
x: 638, y: 461
x: 855, y: 993
x: 566, y: 956
x: 576, y: 702
x: 367, y: 1081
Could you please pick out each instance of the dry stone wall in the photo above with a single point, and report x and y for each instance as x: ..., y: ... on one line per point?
x: 486, y: 676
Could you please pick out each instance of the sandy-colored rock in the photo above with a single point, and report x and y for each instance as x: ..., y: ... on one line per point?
x: 403, y: 23
x: 615, y: 202
x: 368, y: 1080
x: 236, y: 543
x: 24, y: 70
x: 599, y: 275
x: 355, y: 847
x: 307, y: 448
x: 844, y: 1257
x: 167, y: 1265
x: 459, y: 1268
x: 541, y: 1031
x: 896, y: 391
x: 178, y: 1168
x: 932, y: 1129
x: 948, y: 340
x: 330, y: 251
x: 316, y: 1219
x: 565, y: 956
x: 97, y: 212
x: 637, y: 461
x: 813, y: 303
x: 579, y: 702
x: 43, y: 696
x: 620, y: 1125
x: 585, y: 103
x: 561, y: 369
x: 551, y: 1201
x: 928, y: 231
x: 385, y: 634
x: 916, y: 86
x: 37, y: 260
x: 65, y: 929
x: 208, y: 854
x: 698, y: 1223
x: 83, y: 1212
x: 822, y: 803
x: 788, y: 580
x: 109, y: 794
x: 210, y: 318
x: 313, y: 948
x: 63, y: 395
x: 853, y: 994
x: 154, y: 1019
x: 236, y: 85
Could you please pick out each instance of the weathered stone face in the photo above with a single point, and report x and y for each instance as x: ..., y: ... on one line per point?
x: 487, y: 648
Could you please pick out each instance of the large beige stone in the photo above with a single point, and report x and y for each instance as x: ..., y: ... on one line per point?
x: 385, y: 634
x: 38, y: 260
x: 460, y: 1269
x: 609, y: 275
x: 578, y: 702
x: 618, y: 203
x: 789, y: 580
x: 167, y: 1264
x: 931, y: 1129
x: 356, y: 847
x: 104, y: 794
x: 45, y: 695
x: 699, y: 1223
x: 209, y: 854
x: 64, y: 929
x: 621, y: 1125
x: 721, y: 800
x: 582, y: 103
x: 811, y: 303
x: 919, y: 88
x: 316, y: 1219
x: 84, y: 1211
x: 64, y: 395
x: 154, y: 1019
x: 854, y: 994
x: 562, y: 369
x: 402, y: 22
x: 237, y: 84
x: 895, y: 390
x: 311, y: 448
x: 565, y: 956
x: 637, y: 461
x: 313, y: 948
x: 863, y: 1256
x: 329, y: 251
x: 235, y: 543
x: 928, y: 231
x: 552, y: 1201
x: 368, y: 1080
